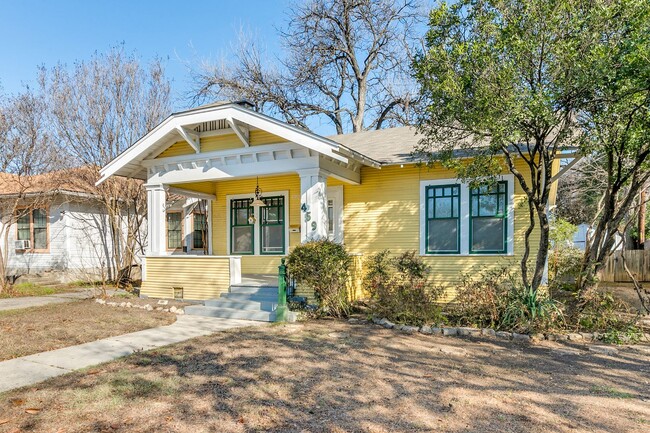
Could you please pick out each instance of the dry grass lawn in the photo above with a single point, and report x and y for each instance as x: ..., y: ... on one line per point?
x: 32, y: 330
x: 331, y: 376
x: 30, y: 289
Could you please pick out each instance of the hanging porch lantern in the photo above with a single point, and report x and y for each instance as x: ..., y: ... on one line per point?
x: 258, y: 196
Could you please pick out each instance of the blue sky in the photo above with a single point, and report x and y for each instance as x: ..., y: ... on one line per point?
x: 39, y: 32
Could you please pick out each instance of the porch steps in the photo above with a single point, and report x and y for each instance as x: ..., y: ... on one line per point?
x: 248, y: 302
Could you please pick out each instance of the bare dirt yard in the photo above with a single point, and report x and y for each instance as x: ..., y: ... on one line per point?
x: 38, y: 329
x: 332, y: 376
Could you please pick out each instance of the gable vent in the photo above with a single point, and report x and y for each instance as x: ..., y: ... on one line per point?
x: 213, y: 125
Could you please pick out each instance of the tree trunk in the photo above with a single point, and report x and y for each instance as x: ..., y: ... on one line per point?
x: 542, y: 251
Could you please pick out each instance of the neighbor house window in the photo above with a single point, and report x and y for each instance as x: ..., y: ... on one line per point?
x: 199, y: 230
x: 443, y: 219
x: 242, y: 225
x: 488, y: 217
x: 174, y: 230
x: 32, y: 227
x: 272, y: 225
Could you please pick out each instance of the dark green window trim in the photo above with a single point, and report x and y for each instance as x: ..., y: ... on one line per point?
x: 278, y: 204
x: 433, y: 192
x: 500, y: 190
x: 236, y: 204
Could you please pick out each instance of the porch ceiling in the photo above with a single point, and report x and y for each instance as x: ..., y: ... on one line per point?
x: 191, y: 125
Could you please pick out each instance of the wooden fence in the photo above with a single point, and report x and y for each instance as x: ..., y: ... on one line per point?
x: 638, y: 262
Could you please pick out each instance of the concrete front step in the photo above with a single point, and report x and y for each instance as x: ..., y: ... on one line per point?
x: 233, y: 313
x: 241, y: 288
x: 263, y: 297
x: 267, y: 290
x: 241, y: 305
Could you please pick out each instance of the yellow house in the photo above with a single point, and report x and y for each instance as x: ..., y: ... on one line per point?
x: 267, y: 186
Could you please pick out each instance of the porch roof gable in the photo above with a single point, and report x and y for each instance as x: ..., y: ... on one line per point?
x: 130, y: 162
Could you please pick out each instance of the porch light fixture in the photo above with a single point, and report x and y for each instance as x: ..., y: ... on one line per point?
x: 258, y: 196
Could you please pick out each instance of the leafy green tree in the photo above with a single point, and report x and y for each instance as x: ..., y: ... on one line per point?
x: 503, y: 79
x: 616, y: 115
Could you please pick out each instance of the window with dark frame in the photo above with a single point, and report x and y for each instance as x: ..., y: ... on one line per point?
x: 443, y: 219
x: 242, y: 226
x: 272, y: 226
x: 488, y: 218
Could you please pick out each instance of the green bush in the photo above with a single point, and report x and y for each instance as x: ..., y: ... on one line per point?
x: 400, y: 290
x: 324, y: 267
x: 530, y: 311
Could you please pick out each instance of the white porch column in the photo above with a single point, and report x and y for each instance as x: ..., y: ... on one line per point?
x: 313, y: 204
x: 156, y: 220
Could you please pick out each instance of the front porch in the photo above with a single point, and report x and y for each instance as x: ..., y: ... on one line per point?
x: 238, y: 239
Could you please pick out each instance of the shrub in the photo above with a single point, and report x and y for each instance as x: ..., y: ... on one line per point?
x: 530, y: 311
x: 324, y: 267
x: 494, y: 298
x: 400, y: 290
x: 602, y: 312
x: 481, y: 297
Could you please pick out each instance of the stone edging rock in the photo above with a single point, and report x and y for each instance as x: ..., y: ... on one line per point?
x: 466, y: 331
x: 146, y: 307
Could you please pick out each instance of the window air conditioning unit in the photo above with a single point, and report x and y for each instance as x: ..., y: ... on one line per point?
x: 22, y: 245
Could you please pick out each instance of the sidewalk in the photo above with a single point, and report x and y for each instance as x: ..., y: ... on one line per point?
x: 37, y: 301
x: 28, y: 370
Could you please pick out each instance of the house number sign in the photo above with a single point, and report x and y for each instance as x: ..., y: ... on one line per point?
x: 305, y: 208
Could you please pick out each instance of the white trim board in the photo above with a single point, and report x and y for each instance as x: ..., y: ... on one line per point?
x: 465, y: 217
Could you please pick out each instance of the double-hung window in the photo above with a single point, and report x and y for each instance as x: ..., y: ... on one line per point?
x: 443, y: 219
x: 174, y: 230
x: 242, y: 226
x: 488, y: 218
x: 31, y: 225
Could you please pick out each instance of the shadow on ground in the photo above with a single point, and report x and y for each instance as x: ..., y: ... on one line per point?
x: 331, y: 376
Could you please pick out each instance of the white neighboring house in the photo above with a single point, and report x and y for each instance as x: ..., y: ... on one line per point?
x: 57, y: 230
x: 584, y: 230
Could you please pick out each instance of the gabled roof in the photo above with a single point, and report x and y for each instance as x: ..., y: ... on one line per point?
x: 128, y: 163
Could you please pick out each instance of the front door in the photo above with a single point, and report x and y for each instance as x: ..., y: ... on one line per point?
x: 335, y: 213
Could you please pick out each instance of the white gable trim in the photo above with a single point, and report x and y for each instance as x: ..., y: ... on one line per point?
x: 127, y: 162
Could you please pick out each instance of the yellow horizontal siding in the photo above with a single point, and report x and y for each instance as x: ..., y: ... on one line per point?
x: 221, y: 142
x: 200, y: 278
x: 384, y: 213
x: 381, y: 213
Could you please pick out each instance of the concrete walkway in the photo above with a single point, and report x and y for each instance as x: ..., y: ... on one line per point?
x: 37, y: 301
x: 32, y: 369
